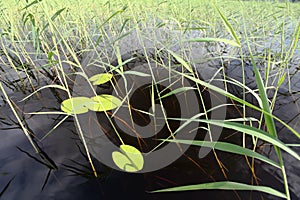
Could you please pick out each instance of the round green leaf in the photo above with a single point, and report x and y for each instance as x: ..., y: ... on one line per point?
x: 76, y: 105
x: 129, y: 159
x: 104, y: 102
x: 99, y: 79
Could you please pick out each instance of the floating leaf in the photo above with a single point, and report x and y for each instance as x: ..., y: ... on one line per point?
x: 129, y: 159
x: 76, y: 105
x: 99, y: 79
x: 104, y: 102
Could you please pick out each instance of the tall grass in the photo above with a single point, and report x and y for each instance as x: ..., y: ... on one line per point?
x: 38, y: 44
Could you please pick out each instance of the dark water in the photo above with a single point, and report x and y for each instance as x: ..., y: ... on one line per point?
x: 72, y: 178
x: 62, y: 170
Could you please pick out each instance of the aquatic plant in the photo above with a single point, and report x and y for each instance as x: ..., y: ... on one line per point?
x: 44, y: 47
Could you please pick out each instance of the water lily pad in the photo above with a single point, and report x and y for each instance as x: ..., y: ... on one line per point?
x: 104, y: 102
x: 76, y: 105
x: 129, y: 159
x: 99, y: 79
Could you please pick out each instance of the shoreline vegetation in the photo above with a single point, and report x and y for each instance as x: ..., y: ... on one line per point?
x: 250, y: 47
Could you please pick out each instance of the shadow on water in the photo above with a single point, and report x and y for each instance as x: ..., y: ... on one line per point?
x: 61, y: 170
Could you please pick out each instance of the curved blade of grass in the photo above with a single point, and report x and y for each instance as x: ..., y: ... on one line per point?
x: 294, y: 44
x: 107, y: 20
x: 114, y: 14
x: 47, y: 113
x: 227, y: 147
x: 235, y: 98
x: 136, y: 73
x: 181, y: 61
x: 241, y: 85
x: 31, y: 4
x: 55, y: 127
x: 44, y: 87
x: 56, y: 14
x: 224, y: 185
x: 176, y: 91
x: 228, y: 26
x: 269, y: 119
x: 254, y: 132
x: 264, y: 100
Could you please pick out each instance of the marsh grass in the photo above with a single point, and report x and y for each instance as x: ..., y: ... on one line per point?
x: 43, y: 48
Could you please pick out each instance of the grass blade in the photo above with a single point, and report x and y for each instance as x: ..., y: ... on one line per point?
x: 44, y: 87
x: 26, y: 132
x: 254, y: 132
x: 269, y: 120
x: 228, y: 26
x: 235, y: 98
x: 176, y: 91
x: 227, y: 147
x: 31, y: 4
x: 56, y: 14
x: 181, y: 61
x: 225, y: 185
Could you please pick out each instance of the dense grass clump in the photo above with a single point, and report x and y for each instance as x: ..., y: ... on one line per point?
x: 50, y: 43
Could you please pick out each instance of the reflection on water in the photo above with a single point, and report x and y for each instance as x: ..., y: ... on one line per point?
x: 62, y: 171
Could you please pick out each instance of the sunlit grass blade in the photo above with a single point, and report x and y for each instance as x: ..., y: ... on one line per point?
x: 269, y: 120
x: 254, y: 132
x: 237, y: 99
x: 56, y: 14
x: 31, y: 4
x: 136, y: 73
x: 225, y: 185
x: 26, y: 132
x: 54, y: 128
x: 228, y: 26
x: 227, y: 147
x: 264, y: 99
x: 181, y: 61
x: 113, y: 15
x: 294, y: 44
x: 44, y: 87
x: 176, y: 91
